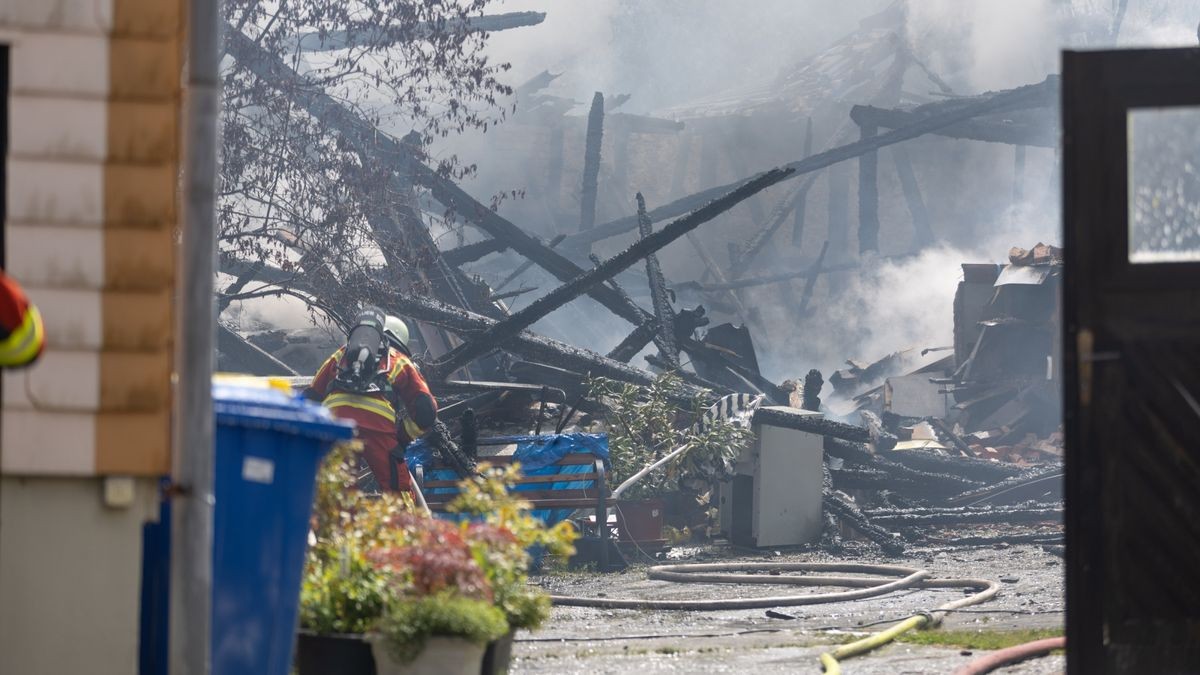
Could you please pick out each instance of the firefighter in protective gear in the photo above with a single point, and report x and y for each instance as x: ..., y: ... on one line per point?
x: 22, y: 335
x: 373, y: 381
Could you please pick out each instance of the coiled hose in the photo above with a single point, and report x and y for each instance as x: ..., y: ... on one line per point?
x: 865, y: 587
x: 829, y: 660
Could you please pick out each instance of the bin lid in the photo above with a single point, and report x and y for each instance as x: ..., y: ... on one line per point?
x: 243, y: 402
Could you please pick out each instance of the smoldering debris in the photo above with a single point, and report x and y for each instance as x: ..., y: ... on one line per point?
x: 913, y: 451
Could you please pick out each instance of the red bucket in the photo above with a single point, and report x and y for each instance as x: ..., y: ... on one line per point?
x: 640, y: 520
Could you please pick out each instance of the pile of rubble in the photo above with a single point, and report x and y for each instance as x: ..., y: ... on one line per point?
x: 930, y: 435
x: 976, y: 436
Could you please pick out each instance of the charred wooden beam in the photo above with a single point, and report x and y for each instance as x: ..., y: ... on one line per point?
x: 858, y: 453
x: 635, y: 341
x: 524, y: 267
x: 749, y: 282
x: 955, y: 440
x: 801, y: 205
x: 701, y: 352
x: 957, y: 515
x: 1047, y: 539
x: 372, y: 34
x: 1036, y: 133
x: 968, y: 467
x: 511, y: 294
x: 689, y: 377
x: 812, y: 424
x: 868, y: 194
x: 811, y: 282
x: 686, y: 323
x: 616, y: 286
x: 715, y: 270
x: 837, y: 231
x: 811, y: 393
x: 535, y: 84
x: 1043, y: 94
x: 922, y: 232
x: 472, y: 252
x: 663, y: 314
x: 1031, y: 480
x: 504, y: 330
x: 844, y: 508
x: 866, y: 477
x: 247, y: 357
x: 243, y: 278
x: 362, y: 135
x: 778, y: 217
x: 591, y: 163
x: 529, y: 345
x: 881, y: 439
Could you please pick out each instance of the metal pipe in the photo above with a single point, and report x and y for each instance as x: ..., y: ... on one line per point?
x: 192, y: 452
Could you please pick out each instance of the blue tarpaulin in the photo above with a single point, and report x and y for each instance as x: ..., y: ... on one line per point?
x: 537, y: 456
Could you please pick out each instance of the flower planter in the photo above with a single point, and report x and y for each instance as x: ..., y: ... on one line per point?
x: 640, y: 520
x: 441, y: 656
x: 325, y: 654
x: 498, y: 655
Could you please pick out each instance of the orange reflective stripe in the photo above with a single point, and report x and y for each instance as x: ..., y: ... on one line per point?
x: 370, y: 404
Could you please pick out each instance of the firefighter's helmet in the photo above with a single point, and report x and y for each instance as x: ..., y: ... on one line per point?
x: 396, y: 331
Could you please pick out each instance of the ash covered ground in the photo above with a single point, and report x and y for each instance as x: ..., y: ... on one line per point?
x: 586, y: 640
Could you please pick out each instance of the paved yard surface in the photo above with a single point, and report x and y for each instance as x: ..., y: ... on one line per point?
x: 593, y: 641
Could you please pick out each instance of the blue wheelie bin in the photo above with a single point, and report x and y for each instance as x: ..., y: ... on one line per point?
x: 269, y: 446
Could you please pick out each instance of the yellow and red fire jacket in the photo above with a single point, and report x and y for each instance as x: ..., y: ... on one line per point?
x: 403, y: 386
x: 22, y: 335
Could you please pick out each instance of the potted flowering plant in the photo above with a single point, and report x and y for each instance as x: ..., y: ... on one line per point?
x: 343, y: 594
x: 441, y: 613
x: 501, y: 536
x: 389, y: 589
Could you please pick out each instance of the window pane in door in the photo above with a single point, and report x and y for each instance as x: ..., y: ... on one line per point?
x: 1164, y: 185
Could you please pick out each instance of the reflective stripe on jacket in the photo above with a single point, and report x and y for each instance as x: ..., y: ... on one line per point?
x: 24, y: 344
x: 22, y: 334
x: 376, y: 411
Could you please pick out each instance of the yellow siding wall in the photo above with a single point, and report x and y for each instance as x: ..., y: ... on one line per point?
x: 93, y: 164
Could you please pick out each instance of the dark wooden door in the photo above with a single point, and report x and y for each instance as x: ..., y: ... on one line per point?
x: 1131, y: 299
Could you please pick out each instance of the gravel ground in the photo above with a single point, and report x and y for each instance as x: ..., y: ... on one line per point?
x: 586, y: 640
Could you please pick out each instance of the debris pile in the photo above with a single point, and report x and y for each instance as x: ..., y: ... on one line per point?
x: 976, y: 436
x: 900, y: 442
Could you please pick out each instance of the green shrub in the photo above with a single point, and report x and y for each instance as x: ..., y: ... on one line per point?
x: 345, y: 594
x: 526, y: 608
x: 408, y: 624
x: 643, y: 424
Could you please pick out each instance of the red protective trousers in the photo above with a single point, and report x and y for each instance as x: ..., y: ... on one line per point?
x: 377, y: 447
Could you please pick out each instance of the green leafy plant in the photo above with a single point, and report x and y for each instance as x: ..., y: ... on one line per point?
x: 377, y: 562
x: 501, y: 542
x: 408, y: 625
x: 643, y: 425
x: 342, y: 593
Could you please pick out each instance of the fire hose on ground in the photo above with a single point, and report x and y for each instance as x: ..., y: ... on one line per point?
x: 771, y: 573
x: 1011, y: 655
